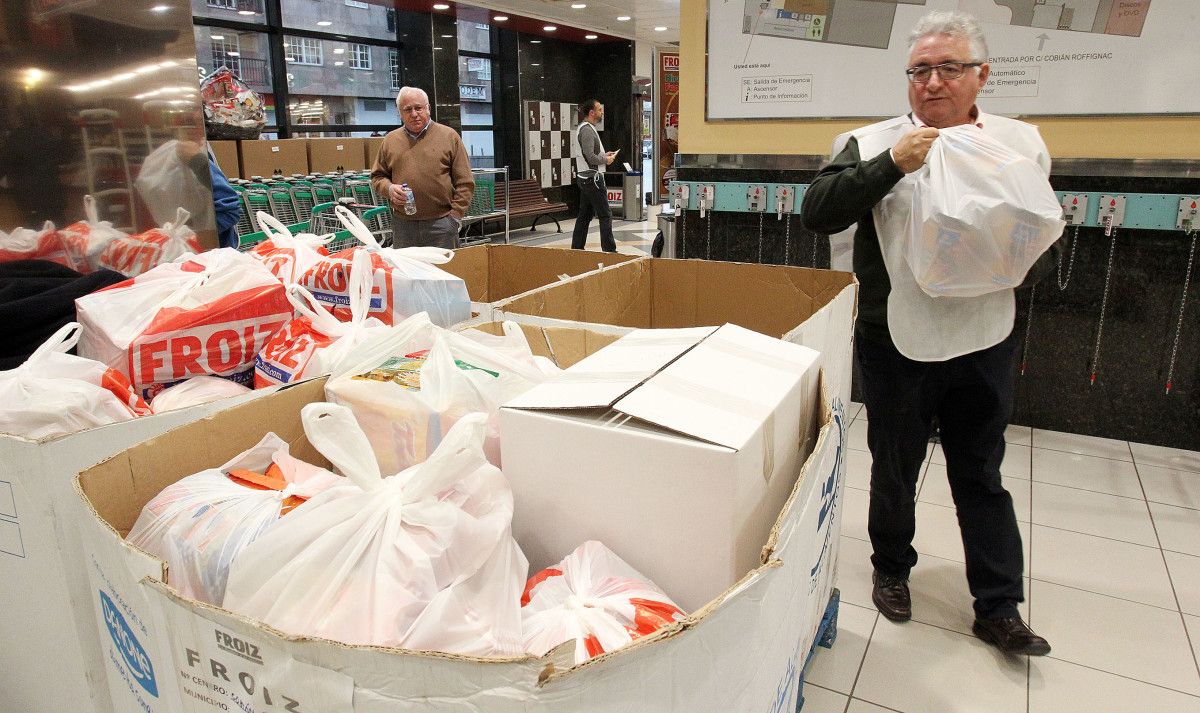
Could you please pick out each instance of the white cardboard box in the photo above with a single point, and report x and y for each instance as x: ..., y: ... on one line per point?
x: 49, y: 655
x: 675, y: 448
x: 741, y: 652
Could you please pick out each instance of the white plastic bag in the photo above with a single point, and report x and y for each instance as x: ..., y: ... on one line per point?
x: 209, y: 314
x: 199, y: 524
x: 982, y: 214
x: 408, y: 385
x: 379, y: 561
x: 407, y: 281
x: 288, y: 256
x: 166, y: 184
x: 28, y: 244
x: 195, y: 391
x: 87, y: 239
x: 54, y: 393
x: 316, y: 342
x: 132, y: 255
x: 594, y: 598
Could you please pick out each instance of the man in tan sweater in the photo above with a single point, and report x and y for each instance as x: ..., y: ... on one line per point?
x: 433, y: 161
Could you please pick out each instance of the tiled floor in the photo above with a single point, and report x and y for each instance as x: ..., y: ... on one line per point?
x: 1112, y: 546
x: 632, y: 237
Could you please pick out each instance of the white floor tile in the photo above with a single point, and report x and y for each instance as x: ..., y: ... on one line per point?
x: 837, y: 668
x: 1104, y: 475
x: 1178, y: 528
x: 1185, y: 575
x: 858, y: 469
x: 1173, y: 486
x: 1062, y: 687
x: 856, y: 503
x: 1015, y: 465
x: 857, y: 706
x: 1166, y: 457
x: 940, y: 596
x: 916, y: 667
x: 1094, y: 513
x: 855, y: 410
x: 820, y: 700
x: 936, y: 490
x: 854, y: 572
x: 857, y: 437
x: 1192, y: 624
x: 1018, y: 435
x: 937, y: 532
x: 1129, y: 639
x: 1083, y: 445
x: 1096, y: 564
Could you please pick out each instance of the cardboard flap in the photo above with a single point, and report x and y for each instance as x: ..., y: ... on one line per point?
x: 724, y: 389
x: 610, y: 373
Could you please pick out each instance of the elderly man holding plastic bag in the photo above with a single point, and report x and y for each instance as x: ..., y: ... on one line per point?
x: 953, y: 210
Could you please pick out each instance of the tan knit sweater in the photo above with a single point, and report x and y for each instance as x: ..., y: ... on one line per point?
x: 435, y: 166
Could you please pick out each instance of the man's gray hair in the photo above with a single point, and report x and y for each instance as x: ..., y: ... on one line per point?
x: 411, y: 90
x: 954, y: 24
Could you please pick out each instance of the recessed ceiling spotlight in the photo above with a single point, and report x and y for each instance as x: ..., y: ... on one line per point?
x: 550, y: 28
x: 437, y: 48
x: 623, y: 18
x: 234, y: 54
x: 500, y: 18
x: 447, y: 37
x: 441, y: 6
x: 590, y: 37
x: 246, y: 12
x: 535, y: 42
x: 339, y: 50
x: 160, y: 8
x: 578, y: 5
x: 660, y: 28
x: 217, y: 37
x: 324, y: 23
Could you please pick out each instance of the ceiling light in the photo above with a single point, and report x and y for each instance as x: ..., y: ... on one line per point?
x: 168, y: 63
x: 124, y: 76
x: 324, y: 23
x: 83, y: 88
x: 535, y: 42
x: 160, y: 8
x: 660, y: 28
x: 216, y: 37
x: 578, y: 6
x: 441, y: 6
x: 234, y: 54
x: 338, y: 64
x: 447, y: 37
x: 247, y: 12
x: 550, y: 28
x: 437, y: 48
x: 590, y: 37
x: 339, y: 50
x: 500, y: 18
x: 534, y: 64
x: 623, y: 18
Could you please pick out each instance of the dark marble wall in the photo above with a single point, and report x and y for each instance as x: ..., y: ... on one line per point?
x: 1128, y: 399
x: 415, y: 30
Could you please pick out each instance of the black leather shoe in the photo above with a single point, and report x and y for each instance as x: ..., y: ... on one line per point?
x: 891, y: 597
x: 1012, y: 636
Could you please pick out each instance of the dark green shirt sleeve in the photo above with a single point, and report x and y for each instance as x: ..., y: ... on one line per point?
x: 847, y: 189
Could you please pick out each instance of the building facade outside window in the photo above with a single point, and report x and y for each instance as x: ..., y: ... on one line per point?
x: 360, y: 56
x: 304, y: 50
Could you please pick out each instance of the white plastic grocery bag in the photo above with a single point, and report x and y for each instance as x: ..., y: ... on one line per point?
x: 407, y: 281
x: 379, y: 561
x: 288, y: 256
x: 207, y: 314
x: 982, y: 214
x: 54, y: 393
x: 316, y: 342
x: 408, y: 385
x: 594, y: 598
x: 87, y: 239
x: 195, y: 391
x: 200, y: 523
x: 132, y: 255
x: 167, y: 184
x: 28, y: 244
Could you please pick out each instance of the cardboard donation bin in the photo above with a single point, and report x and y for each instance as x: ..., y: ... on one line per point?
x: 742, y: 651
x: 673, y: 447
x: 226, y: 153
x: 496, y: 273
x: 281, y: 157
x: 371, y: 150
x: 337, y: 154
x: 50, y: 659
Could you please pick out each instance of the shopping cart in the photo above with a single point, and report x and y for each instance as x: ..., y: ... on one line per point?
x: 325, y: 220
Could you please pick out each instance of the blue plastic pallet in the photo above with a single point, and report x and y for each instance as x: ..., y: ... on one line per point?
x: 826, y: 635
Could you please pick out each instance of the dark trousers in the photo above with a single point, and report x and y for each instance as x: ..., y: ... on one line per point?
x: 593, y: 201
x: 972, y: 397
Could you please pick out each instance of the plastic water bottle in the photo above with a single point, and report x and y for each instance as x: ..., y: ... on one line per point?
x: 410, y: 201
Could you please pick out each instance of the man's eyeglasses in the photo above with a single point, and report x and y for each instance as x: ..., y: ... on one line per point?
x: 946, y: 71
x: 414, y: 109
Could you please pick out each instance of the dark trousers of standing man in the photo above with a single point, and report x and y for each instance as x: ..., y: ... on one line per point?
x: 593, y: 200
x: 972, y: 397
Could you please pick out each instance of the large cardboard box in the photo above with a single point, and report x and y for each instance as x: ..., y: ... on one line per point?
x: 371, y: 150
x: 676, y: 448
x: 228, y: 157
x: 496, y: 273
x: 50, y: 656
x: 281, y: 157
x: 743, y: 651
x: 336, y: 154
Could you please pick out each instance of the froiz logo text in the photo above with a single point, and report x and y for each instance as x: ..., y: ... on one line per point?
x: 245, y: 680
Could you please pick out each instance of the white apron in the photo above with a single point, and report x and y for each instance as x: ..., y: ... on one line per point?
x: 925, y: 328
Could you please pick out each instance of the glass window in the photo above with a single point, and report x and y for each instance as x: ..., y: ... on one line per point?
x: 344, y: 17
x: 394, y: 64
x: 360, y: 56
x: 244, y: 53
x: 481, y: 148
x: 474, y: 37
x: 475, y: 90
x: 355, y: 85
x: 240, y: 10
x: 304, y: 50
